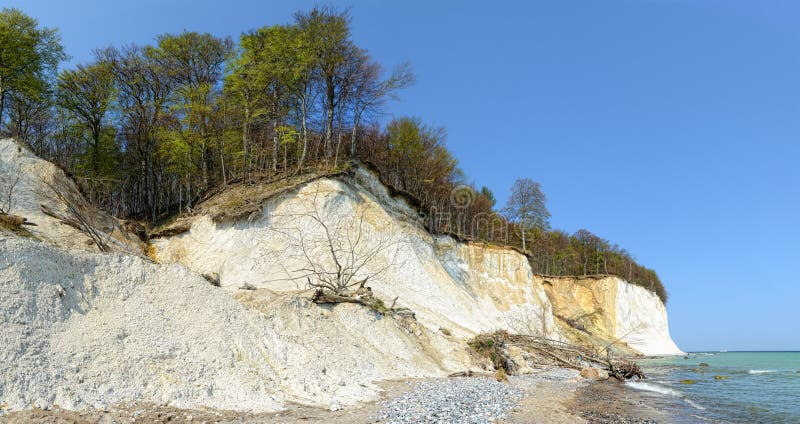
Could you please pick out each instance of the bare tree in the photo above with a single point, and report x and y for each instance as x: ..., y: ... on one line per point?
x: 337, y: 255
x: 526, y: 206
x: 369, y: 92
x: 8, y: 184
x: 79, y: 213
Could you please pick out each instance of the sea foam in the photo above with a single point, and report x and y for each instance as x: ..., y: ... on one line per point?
x: 650, y: 387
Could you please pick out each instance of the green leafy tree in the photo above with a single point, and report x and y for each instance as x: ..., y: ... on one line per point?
x: 274, y: 78
x: 326, y: 39
x: 195, y: 62
x: 87, y: 93
x: 144, y: 88
x: 29, y: 57
x: 487, y: 193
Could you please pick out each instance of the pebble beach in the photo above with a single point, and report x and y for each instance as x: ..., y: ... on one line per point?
x: 553, y: 395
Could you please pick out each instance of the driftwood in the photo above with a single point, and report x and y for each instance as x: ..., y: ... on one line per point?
x: 551, y: 347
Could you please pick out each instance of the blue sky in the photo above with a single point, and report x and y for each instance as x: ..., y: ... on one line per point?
x: 671, y: 127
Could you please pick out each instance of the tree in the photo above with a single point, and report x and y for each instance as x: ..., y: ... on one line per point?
x: 9, y: 179
x: 29, y: 56
x: 526, y: 207
x: 487, y: 193
x: 144, y: 89
x: 274, y: 79
x: 335, y: 253
x: 28, y: 115
x: 326, y: 34
x: 87, y: 93
x: 195, y: 62
x: 369, y: 92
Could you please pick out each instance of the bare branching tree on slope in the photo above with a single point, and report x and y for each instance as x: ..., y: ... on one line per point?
x: 339, y: 251
x: 9, y: 179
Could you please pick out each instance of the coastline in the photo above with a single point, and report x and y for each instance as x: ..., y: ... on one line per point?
x: 552, y: 395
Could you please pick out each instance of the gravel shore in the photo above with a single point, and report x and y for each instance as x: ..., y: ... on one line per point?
x: 456, y: 400
x: 552, y: 396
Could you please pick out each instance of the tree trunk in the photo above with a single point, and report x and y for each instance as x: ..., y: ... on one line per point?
x: 275, y: 153
x: 204, y: 164
x: 246, y: 134
x: 524, y: 247
x: 354, y: 133
x: 96, y: 153
x: 286, y: 158
x: 338, y: 140
x: 222, y: 160
x: 2, y: 102
x: 304, y: 126
x: 329, y: 106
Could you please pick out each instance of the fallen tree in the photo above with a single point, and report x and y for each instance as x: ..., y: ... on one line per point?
x: 495, y: 347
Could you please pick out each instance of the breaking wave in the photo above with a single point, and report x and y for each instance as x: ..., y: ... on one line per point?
x: 651, y: 387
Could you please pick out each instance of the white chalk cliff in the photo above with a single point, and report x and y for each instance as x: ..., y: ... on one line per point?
x: 468, y: 288
x: 90, y: 329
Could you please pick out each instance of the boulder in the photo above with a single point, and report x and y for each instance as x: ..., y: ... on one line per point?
x: 595, y: 374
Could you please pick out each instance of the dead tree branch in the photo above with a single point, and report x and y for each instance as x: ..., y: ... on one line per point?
x: 8, y: 183
x: 77, y: 213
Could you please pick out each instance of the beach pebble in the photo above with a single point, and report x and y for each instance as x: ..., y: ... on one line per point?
x: 453, y: 400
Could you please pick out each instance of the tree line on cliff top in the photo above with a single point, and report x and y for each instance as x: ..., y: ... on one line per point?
x: 147, y: 131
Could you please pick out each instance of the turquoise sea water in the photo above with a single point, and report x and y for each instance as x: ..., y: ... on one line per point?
x: 756, y: 387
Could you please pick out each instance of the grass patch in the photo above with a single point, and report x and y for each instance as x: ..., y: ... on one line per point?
x: 151, y: 252
x: 493, y: 347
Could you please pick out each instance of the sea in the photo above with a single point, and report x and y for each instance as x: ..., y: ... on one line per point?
x: 726, y: 387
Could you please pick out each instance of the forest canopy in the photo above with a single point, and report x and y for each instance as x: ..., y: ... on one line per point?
x: 148, y: 131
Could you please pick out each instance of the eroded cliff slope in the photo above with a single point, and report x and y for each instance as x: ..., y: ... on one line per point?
x: 91, y: 329
x: 466, y: 288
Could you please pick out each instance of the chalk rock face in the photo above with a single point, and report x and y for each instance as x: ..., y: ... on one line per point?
x: 35, y: 183
x: 641, y: 320
x: 612, y: 309
x: 464, y: 288
x: 92, y: 330
x: 89, y: 329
